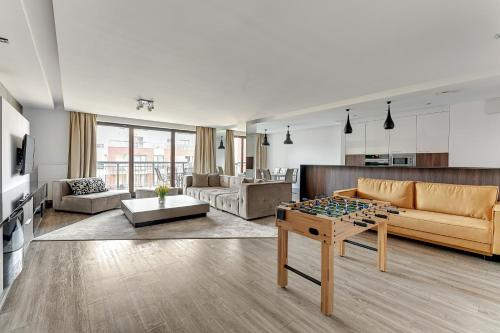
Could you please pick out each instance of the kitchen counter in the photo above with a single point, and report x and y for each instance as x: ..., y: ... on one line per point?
x: 320, y: 180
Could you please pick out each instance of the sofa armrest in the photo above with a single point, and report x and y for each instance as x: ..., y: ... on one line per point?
x: 60, y: 189
x: 188, y: 182
x: 260, y: 199
x: 496, y: 229
x: 350, y: 192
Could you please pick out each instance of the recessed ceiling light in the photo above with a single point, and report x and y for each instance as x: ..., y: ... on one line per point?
x: 444, y: 92
x: 428, y: 103
x: 497, y: 36
x: 4, y: 40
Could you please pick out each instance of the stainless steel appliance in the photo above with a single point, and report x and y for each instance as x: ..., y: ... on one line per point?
x: 377, y: 160
x: 404, y: 160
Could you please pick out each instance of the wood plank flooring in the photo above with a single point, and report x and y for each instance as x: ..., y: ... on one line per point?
x: 229, y: 285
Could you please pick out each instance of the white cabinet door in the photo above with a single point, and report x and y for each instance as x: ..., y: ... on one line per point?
x: 355, y: 142
x: 377, y: 138
x: 433, y: 131
x: 404, y: 136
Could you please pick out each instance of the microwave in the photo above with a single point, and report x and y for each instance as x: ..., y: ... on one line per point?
x: 403, y: 160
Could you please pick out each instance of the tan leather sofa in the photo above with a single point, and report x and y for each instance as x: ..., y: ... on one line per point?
x: 63, y: 199
x: 465, y: 217
x: 247, y: 200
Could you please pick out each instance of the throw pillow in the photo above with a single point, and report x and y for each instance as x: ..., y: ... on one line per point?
x: 80, y: 186
x: 200, y: 179
x: 213, y: 179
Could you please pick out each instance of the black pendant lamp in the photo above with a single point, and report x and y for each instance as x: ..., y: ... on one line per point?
x: 221, y: 145
x: 288, y: 140
x: 348, y: 127
x: 265, y: 142
x: 389, y: 123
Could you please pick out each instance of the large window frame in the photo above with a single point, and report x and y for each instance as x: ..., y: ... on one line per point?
x: 131, y: 148
x: 242, y: 142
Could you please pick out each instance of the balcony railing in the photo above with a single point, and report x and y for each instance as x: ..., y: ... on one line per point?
x: 116, y: 174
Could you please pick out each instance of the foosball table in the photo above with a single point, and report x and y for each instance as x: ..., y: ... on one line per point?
x: 330, y: 220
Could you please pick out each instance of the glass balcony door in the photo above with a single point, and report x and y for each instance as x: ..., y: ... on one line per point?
x: 154, y: 156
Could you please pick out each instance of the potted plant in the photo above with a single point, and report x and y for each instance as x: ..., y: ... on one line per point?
x: 162, y: 191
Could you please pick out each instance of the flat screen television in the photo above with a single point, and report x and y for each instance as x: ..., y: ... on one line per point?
x: 27, y: 155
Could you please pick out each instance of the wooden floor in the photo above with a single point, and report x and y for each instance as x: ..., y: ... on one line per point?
x: 229, y: 285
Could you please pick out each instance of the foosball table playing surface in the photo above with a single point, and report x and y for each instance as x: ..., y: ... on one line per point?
x: 331, y: 221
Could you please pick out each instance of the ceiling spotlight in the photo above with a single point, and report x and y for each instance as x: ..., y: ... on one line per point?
x: 147, y: 103
x: 497, y: 36
x: 4, y: 40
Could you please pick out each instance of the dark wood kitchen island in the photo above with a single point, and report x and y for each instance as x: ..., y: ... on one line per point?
x: 321, y: 180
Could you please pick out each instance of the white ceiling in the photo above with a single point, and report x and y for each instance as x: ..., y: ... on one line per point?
x: 220, y: 62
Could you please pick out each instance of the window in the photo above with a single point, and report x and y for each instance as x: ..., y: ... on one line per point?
x: 184, y: 155
x: 112, y: 156
x: 151, y: 156
x: 239, y: 154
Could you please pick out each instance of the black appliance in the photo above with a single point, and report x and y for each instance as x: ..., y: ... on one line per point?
x: 13, y: 243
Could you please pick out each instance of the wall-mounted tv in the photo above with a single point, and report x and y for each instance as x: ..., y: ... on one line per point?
x: 26, y: 155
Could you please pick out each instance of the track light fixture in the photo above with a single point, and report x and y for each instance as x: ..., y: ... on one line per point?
x: 348, y: 127
x: 148, y: 103
x: 389, y: 123
x: 288, y: 140
x: 265, y: 142
x: 221, y: 145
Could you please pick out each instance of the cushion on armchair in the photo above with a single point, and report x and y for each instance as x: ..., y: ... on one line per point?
x: 81, y: 186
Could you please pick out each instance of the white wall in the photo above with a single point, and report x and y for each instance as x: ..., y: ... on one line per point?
x: 14, y: 127
x: 474, y: 136
x: 50, y: 129
x: 320, y: 145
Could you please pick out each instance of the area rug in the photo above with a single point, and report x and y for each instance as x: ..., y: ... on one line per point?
x: 114, y: 225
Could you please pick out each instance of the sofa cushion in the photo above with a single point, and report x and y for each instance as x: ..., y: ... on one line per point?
x: 94, y: 202
x: 194, y: 192
x: 200, y: 179
x: 230, y: 203
x: 462, y: 227
x: 398, y: 193
x: 464, y: 200
x: 213, y: 179
x: 80, y: 186
x: 224, y: 180
x: 210, y: 194
x: 235, y: 182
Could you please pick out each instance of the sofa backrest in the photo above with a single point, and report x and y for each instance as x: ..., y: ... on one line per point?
x: 463, y: 200
x: 399, y: 193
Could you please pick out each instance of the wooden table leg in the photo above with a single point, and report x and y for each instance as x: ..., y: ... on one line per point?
x: 382, y: 246
x: 342, y: 248
x: 282, y: 257
x: 326, y: 278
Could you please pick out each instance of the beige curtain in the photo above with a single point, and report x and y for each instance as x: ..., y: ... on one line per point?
x: 261, y: 153
x: 82, y: 145
x: 204, y: 151
x: 229, y: 158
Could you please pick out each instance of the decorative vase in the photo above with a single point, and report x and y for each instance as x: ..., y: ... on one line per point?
x: 161, y: 199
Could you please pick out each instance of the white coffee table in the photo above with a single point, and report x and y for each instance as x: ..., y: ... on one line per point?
x: 148, y: 211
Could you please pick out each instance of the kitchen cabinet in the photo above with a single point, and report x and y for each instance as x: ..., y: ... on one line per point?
x: 377, y: 138
x: 355, y: 142
x: 433, y: 131
x: 403, y: 138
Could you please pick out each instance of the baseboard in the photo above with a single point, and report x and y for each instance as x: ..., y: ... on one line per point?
x: 495, y: 258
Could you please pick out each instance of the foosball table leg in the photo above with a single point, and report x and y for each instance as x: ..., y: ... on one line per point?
x: 342, y: 248
x: 382, y: 246
x: 327, y: 278
x: 282, y: 257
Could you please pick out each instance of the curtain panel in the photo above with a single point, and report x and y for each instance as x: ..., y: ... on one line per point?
x: 229, y: 158
x: 260, y: 153
x: 204, y: 151
x: 82, y: 145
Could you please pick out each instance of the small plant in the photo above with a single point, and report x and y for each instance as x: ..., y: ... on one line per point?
x: 162, y: 190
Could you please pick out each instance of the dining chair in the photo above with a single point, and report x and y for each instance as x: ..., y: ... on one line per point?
x: 289, y: 176
x: 266, y: 174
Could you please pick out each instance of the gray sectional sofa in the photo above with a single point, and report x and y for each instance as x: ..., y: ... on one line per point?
x: 240, y: 196
x: 63, y: 199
